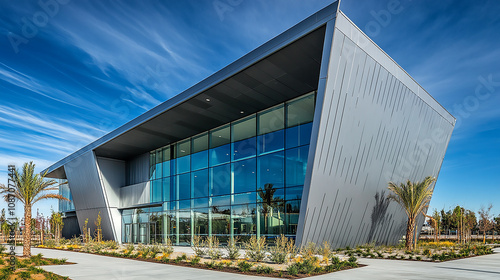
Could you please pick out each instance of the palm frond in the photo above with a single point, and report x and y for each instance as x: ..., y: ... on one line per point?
x: 50, y: 195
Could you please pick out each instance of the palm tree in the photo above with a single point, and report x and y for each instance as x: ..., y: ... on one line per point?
x: 29, y: 188
x: 414, y: 198
x: 269, y: 202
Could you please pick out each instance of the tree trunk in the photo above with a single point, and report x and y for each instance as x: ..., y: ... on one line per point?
x: 409, y: 234
x: 27, y: 231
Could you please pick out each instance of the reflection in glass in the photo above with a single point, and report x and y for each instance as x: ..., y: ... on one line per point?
x: 300, y: 110
x: 220, y: 178
x: 270, y: 170
x: 156, y: 191
x: 271, y: 120
x: 183, y: 164
x: 244, y: 219
x: 244, y: 128
x: 200, y: 143
x: 292, y: 209
x: 296, y: 166
x: 230, y: 180
x: 200, y: 216
x: 271, y: 210
x: 183, y: 186
x: 199, y: 160
x: 244, y: 198
x: 220, y: 136
x: 244, y: 148
x: 298, y: 135
x: 244, y: 175
x: 270, y: 142
x: 220, y: 155
x: 199, y: 183
x: 169, y: 192
x: 221, y: 216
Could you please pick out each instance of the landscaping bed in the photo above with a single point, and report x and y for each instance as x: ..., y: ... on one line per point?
x: 426, y: 251
x: 28, y: 268
x: 280, y: 260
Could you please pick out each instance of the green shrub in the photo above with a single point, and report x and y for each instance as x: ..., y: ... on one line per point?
x: 214, y: 251
x: 419, y: 258
x: 256, y: 248
x: 2, y: 249
x: 167, y: 248
x: 130, y: 247
x: 264, y: 269
x: 211, y: 264
x: 195, y: 260
x: 308, y: 250
x: 25, y: 275
x: 199, y: 246
x: 335, y: 260
x: 110, y: 244
x: 282, y: 249
x: 292, y: 269
x: 244, y: 266
x: 57, y: 261
x: 233, y: 250
x: 427, y: 252
x: 219, y: 265
x: 51, y: 243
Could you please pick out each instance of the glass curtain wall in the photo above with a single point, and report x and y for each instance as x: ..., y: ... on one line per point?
x: 64, y: 205
x: 240, y: 179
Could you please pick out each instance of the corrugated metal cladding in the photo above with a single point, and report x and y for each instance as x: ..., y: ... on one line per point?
x: 87, y: 191
x: 376, y: 126
x: 137, y: 170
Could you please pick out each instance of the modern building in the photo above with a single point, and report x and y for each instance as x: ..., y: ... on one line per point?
x: 298, y: 137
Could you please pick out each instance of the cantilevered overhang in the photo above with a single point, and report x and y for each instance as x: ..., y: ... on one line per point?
x: 283, y: 68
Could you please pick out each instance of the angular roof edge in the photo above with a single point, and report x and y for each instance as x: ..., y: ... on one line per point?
x: 304, y: 27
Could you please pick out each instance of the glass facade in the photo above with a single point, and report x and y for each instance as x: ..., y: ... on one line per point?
x: 64, y: 205
x: 239, y: 179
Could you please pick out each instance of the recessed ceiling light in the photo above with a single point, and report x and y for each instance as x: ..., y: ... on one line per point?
x: 242, y: 112
x: 207, y: 99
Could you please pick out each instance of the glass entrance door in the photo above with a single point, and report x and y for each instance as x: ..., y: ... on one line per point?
x: 144, y: 233
x: 128, y: 233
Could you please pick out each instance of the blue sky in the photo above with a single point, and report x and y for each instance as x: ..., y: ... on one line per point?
x: 88, y: 67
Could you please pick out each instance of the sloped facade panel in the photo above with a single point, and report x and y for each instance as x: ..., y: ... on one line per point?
x: 375, y: 127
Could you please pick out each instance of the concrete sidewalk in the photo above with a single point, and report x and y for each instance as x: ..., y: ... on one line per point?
x: 101, y: 267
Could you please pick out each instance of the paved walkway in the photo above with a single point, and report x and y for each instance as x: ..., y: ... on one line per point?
x: 101, y: 267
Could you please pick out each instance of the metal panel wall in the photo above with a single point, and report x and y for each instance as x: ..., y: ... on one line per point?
x: 133, y: 195
x: 112, y: 176
x: 88, y: 193
x: 377, y: 125
x: 137, y: 170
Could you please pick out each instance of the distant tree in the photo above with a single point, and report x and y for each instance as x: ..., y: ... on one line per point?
x: 496, y: 226
x: 470, y: 222
x: 485, y: 221
x: 29, y: 188
x: 56, y: 224
x: 446, y: 220
x: 414, y: 198
x: 458, y: 222
x: 435, y: 220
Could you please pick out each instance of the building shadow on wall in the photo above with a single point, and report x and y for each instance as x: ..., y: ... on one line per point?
x: 378, y: 214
